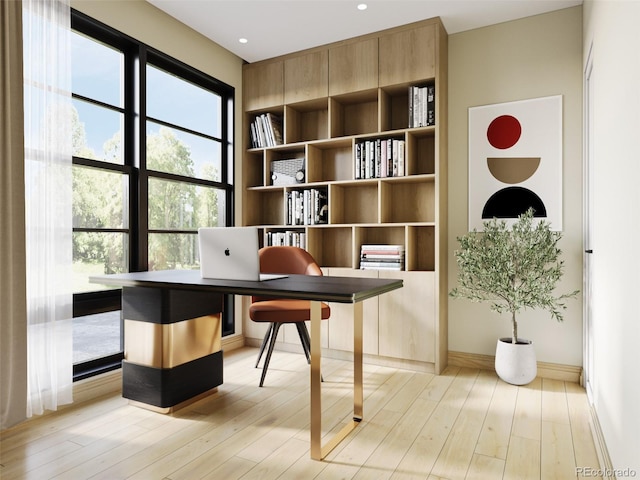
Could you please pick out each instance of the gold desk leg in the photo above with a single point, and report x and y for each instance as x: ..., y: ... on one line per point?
x: 357, y: 362
x: 316, y: 386
x: 318, y: 452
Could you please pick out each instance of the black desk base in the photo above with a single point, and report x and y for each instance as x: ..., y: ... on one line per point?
x: 165, y: 388
x: 173, y: 350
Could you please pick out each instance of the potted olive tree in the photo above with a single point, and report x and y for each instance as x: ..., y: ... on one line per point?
x: 513, y: 268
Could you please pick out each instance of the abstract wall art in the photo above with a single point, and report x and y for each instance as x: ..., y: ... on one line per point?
x: 515, y: 161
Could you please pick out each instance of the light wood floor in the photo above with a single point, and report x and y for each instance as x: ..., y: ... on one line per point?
x: 463, y: 424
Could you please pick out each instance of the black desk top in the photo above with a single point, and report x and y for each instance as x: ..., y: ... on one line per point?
x: 304, y: 287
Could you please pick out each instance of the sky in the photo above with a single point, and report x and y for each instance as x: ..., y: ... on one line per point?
x: 97, y: 72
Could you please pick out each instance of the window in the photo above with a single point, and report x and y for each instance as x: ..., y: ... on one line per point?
x: 184, y: 162
x: 152, y: 162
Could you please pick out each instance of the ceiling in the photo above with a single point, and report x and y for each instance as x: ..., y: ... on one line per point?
x: 277, y: 27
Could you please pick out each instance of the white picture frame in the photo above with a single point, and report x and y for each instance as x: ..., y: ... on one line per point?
x: 515, y: 158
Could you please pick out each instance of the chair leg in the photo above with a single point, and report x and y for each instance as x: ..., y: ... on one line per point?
x: 264, y: 343
x: 274, y: 335
x: 306, y: 342
x: 305, y: 346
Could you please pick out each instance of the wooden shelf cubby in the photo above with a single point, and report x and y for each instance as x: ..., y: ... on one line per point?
x: 306, y: 121
x: 354, y: 114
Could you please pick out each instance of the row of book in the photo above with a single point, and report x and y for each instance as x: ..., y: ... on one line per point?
x: 422, y: 106
x: 289, y: 238
x: 380, y: 158
x: 266, y: 131
x: 382, y: 257
x: 306, y: 207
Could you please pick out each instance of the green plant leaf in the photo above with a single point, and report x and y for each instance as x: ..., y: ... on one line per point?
x: 512, y: 268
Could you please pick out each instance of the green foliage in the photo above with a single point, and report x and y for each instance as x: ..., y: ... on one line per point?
x: 512, y: 268
x: 100, y: 201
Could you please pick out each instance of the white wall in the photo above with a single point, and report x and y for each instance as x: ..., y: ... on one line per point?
x: 611, y: 29
x: 534, y: 57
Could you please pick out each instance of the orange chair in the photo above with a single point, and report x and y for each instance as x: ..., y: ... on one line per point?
x: 277, y: 311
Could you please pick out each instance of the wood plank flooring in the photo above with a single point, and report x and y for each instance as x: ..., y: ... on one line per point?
x: 463, y: 424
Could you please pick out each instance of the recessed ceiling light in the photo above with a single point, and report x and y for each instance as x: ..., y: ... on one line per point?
x: 243, y: 40
x: 362, y: 6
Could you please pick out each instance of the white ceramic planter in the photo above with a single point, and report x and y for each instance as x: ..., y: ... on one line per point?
x: 516, y: 363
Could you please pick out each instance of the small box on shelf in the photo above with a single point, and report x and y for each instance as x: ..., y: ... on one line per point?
x: 290, y: 171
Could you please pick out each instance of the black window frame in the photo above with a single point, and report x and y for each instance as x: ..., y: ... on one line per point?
x: 136, y: 57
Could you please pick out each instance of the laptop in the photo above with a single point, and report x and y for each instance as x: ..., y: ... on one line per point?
x: 231, y: 253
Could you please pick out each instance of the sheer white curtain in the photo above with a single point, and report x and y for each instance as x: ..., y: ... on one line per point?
x: 48, y: 183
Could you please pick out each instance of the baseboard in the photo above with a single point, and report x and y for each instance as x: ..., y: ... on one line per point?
x: 97, y: 386
x: 606, y: 467
x: 554, y: 371
x: 232, y: 343
x: 380, y: 361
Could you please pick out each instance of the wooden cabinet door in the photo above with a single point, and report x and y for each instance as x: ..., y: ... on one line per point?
x: 407, y: 327
x: 306, y: 77
x: 341, y: 320
x: 353, y: 67
x: 408, y: 55
x: 263, y: 85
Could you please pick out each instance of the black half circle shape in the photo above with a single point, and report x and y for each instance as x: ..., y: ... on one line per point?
x: 511, y: 202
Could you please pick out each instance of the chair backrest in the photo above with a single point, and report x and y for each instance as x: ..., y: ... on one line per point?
x: 281, y: 259
x: 292, y: 260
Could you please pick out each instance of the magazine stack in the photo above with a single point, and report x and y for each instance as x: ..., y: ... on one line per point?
x: 382, y: 257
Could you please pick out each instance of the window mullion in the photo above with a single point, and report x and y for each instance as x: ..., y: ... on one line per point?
x: 140, y: 204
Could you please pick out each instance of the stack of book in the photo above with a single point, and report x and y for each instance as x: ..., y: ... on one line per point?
x: 266, y: 131
x: 306, y: 207
x: 380, y: 158
x: 422, y: 106
x: 382, y: 257
x: 286, y: 238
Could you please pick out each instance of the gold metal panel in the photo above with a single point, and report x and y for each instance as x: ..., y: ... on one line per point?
x: 174, y: 408
x: 169, y: 345
x: 143, y: 343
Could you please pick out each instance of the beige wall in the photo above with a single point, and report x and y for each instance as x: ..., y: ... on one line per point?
x: 146, y: 23
x: 612, y: 36
x: 534, y: 57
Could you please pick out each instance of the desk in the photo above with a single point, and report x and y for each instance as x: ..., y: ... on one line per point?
x: 168, y: 297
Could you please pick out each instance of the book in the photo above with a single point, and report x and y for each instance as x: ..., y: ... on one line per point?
x: 431, y: 105
x: 275, y: 126
x: 375, y: 267
x: 385, y: 247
